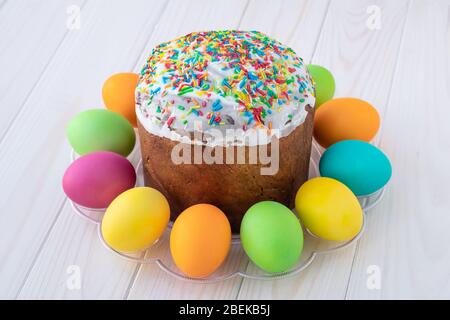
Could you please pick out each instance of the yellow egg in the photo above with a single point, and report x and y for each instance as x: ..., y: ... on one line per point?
x: 135, y: 219
x: 329, y: 209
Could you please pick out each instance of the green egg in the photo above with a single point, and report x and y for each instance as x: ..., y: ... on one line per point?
x: 101, y: 130
x: 362, y: 167
x: 272, y: 236
x: 324, y: 83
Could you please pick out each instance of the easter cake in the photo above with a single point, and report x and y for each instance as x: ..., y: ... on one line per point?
x: 225, y: 118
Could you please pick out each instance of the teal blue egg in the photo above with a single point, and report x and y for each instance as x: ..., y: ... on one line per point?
x: 361, y: 166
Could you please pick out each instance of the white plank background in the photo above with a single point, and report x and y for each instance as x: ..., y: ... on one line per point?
x: 48, y: 73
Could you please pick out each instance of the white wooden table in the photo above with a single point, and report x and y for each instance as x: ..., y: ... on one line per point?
x: 393, y: 53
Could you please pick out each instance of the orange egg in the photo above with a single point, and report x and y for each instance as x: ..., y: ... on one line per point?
x: 118, y: 95
x: 345, y: 119
x: 200, y: 240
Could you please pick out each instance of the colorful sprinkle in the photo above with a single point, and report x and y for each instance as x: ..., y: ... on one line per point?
x: 255, y: 75
x: 170, y: 121
x: 217, y: 106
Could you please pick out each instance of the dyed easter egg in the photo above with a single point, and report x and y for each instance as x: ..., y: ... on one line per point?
x: 359, y: 165
x: 200, y: 240
x: 329, y: 209
x: 272, y: 236
x: 94, y: 180
x: 118, y: 95
x: 135, y: 220
x: 101, y: 130
x: 345, y: 119
x: 323, y: 82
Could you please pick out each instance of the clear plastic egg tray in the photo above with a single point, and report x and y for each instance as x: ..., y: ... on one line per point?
x: 237, y: 263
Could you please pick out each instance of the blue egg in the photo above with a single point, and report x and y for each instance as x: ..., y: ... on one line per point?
x: 361, y: 166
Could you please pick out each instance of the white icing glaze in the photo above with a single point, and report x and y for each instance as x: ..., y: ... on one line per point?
x: 215, y: 107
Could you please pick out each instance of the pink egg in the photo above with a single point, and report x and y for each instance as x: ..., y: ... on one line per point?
x: 96, y: 179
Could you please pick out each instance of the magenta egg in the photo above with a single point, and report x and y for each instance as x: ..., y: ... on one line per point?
x: 96, y: 179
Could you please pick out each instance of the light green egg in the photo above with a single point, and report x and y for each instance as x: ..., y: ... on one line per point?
x: 324, y: 83
x: 272, y: 236
x: 101, y: 130
x: 359, y: 165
